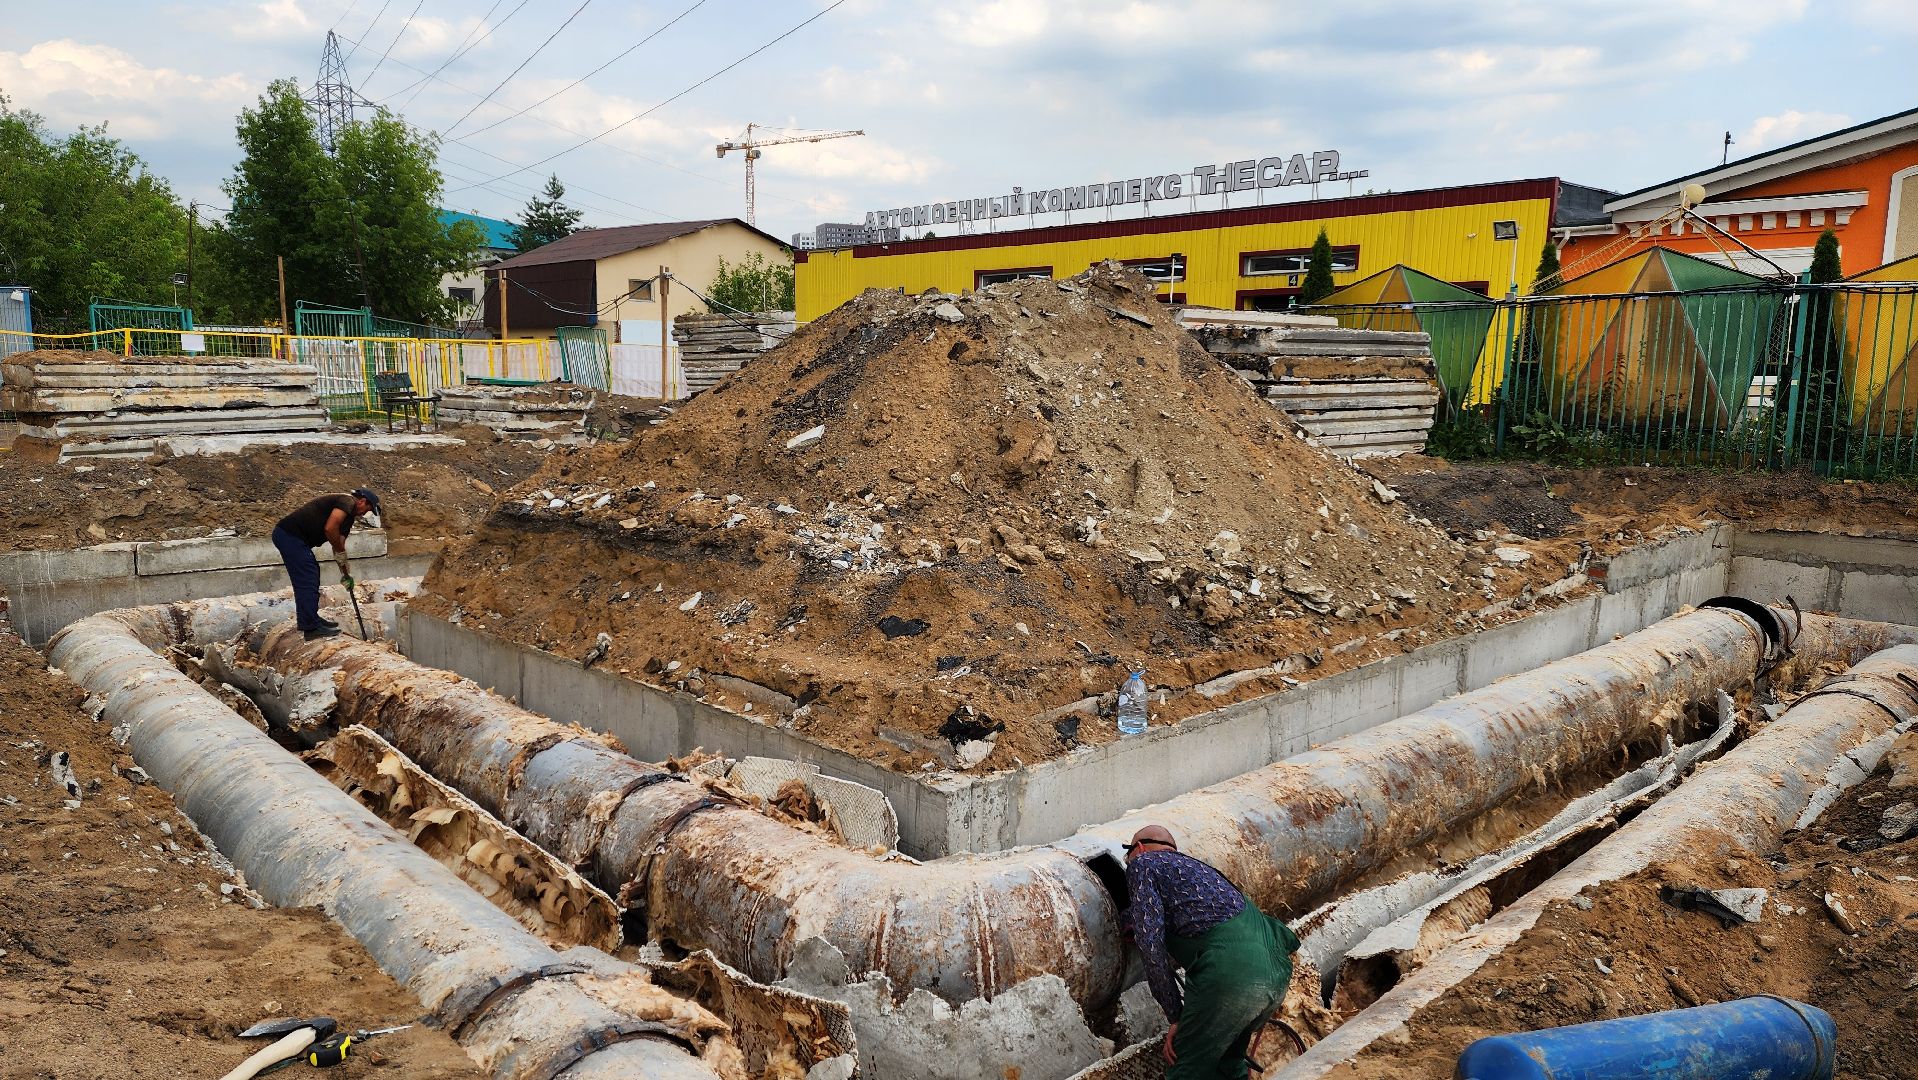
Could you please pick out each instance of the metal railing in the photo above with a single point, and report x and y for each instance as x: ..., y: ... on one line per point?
x: 1756, y: 377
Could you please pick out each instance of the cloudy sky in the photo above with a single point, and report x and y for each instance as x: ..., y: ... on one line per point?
x: 969, y: 99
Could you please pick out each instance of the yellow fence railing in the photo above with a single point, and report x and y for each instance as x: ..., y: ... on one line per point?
x: 345, y: 366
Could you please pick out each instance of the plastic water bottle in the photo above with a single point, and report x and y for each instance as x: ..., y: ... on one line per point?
x: 1132, y: 707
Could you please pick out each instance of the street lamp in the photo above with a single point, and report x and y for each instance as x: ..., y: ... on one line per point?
x: 1508, y: 230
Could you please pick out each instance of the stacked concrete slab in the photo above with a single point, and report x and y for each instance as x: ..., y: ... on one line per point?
x: 1354, y: 392
x: 95, y: 404
x: 712, y: 347
x: 550, y: 409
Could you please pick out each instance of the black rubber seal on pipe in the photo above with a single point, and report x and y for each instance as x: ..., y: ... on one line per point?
x: 593, y: 1042
x: 1762, y: 614
x: 632, y: 896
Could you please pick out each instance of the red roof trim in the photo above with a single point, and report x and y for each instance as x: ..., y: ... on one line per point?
x: 1355, y: 206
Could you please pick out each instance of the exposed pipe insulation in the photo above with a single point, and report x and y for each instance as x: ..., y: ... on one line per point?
x: 521, y: 1009
x: 1826, y: 742
x: 707, y: 874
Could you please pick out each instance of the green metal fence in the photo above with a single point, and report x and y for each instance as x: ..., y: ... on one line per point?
x: 119, y: 315
x: 584, y: 358
x: 1750, y: 377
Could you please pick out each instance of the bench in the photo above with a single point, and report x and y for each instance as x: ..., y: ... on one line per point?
x: 395, y: 390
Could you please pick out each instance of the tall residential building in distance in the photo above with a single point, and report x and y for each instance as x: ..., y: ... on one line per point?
x: 842, y: 234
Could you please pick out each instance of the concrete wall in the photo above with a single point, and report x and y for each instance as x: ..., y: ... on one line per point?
x: 1864, y: 577
x: 1050, y: 800
x: 46, y: 590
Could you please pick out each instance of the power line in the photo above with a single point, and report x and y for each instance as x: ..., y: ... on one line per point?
x: 469, y: 172
x: 389, y: 45
x: 557, y: 126
x: 418, y: 86
x: 641, y: 116
x: 522, y: 66
x: 629, y: 51
x: 602, y: 194
x: 369, y: 28
x: 344, y: 14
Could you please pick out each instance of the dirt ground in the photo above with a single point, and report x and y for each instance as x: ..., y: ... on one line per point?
x: 928, y: 521
x: 426, y: 492
x: 1618, y: 506
x: 121, y: 954
x: 1664, y: 958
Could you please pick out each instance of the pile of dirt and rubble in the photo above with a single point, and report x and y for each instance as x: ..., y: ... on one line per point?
x: 126, y: 948
x: 1863, y: 852
x: 924, y: 518
x: 427, y: 492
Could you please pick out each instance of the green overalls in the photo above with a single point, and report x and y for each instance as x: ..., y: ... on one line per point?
x: 1235, y: 976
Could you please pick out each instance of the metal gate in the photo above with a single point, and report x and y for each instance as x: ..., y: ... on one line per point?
x: 112, y: 315
x: 16, y: 319
x: 584, y: 357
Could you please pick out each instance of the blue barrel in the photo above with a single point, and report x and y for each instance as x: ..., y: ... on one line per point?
x: 1754, y: 1038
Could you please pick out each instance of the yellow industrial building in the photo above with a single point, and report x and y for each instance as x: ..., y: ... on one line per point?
x: 1250, y: 258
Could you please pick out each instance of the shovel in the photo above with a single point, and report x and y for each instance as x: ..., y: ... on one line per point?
x: 295, y: 1036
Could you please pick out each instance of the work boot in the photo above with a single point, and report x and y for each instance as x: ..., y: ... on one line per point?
x: 326, y: 622
x: 319, y: 632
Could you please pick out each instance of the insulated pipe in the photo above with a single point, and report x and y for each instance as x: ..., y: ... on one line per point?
x: 1777, y: 780
x: 520, y: 1009
x: 708, y: 874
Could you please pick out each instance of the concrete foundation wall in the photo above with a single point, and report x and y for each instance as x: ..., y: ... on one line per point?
x: 1864, y: 577
x: 46, y: 590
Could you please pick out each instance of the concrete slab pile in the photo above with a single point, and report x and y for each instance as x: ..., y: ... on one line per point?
x: 548, y: 409
x: 1354, y: 392
x: 121, y: 407
x: 712, y: 347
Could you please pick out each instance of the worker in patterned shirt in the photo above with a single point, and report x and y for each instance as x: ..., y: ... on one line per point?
x: 1237, y: 960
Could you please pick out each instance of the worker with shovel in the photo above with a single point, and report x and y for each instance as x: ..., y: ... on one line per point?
x: 1237, y: 960
x: 325, y: 520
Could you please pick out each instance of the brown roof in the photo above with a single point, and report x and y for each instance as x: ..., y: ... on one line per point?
x: 592, y: 244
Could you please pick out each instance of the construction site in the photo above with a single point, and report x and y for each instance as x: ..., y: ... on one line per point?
x: 774, y: 732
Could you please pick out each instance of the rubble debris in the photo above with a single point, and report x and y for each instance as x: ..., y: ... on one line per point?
x: 1729, y: 906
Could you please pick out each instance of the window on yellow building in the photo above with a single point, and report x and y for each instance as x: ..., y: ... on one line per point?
x: 1168, y: 269
x: 639, y: 288
x: 983, y: 278
x: 1345, y: 260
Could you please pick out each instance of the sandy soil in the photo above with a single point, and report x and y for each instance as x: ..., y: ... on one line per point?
x: 924, y: 518
x: 120, y: 955
x: 1663, y: 958
x: 426, y: 493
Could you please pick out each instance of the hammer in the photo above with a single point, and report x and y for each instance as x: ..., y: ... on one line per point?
x: 295, y: 1036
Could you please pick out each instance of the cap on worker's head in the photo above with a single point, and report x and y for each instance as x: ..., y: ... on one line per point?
x: 1155, y: 834
x: 372, y: 497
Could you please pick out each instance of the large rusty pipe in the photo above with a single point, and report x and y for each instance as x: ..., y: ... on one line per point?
x: 302, y: 842
x: 722, y: 877
x: 1773, y: 782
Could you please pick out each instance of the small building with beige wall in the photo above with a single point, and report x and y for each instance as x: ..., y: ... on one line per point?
x: 609, y: 278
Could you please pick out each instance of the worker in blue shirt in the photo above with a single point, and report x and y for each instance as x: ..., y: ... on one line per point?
x: 1237, y: 960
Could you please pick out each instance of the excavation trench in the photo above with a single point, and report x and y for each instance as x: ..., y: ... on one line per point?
x: 703, y: 872
x: 520, y: 1008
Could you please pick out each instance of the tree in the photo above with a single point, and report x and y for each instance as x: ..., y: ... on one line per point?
x: 286, y: 196
x: 1824, y: 422
x: 389, y: 218
x: 546, y: 219
x: 357, y: 228
x: 753, y: 285
x: 81, y: 217
x: 1825, y: 264
x: 1547, y: 273
x: 1318, y: 272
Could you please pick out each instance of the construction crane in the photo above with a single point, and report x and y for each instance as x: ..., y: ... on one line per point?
x: 751, y: 146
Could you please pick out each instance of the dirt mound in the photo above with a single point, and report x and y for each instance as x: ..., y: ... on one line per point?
x: 121, y: 950
x: 933, y: 516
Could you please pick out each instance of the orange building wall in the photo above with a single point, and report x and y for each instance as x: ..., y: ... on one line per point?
x: 1861, y: 240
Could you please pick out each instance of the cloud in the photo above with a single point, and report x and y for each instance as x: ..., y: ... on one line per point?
x: 1787, y: 127
x: 75, y: 83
